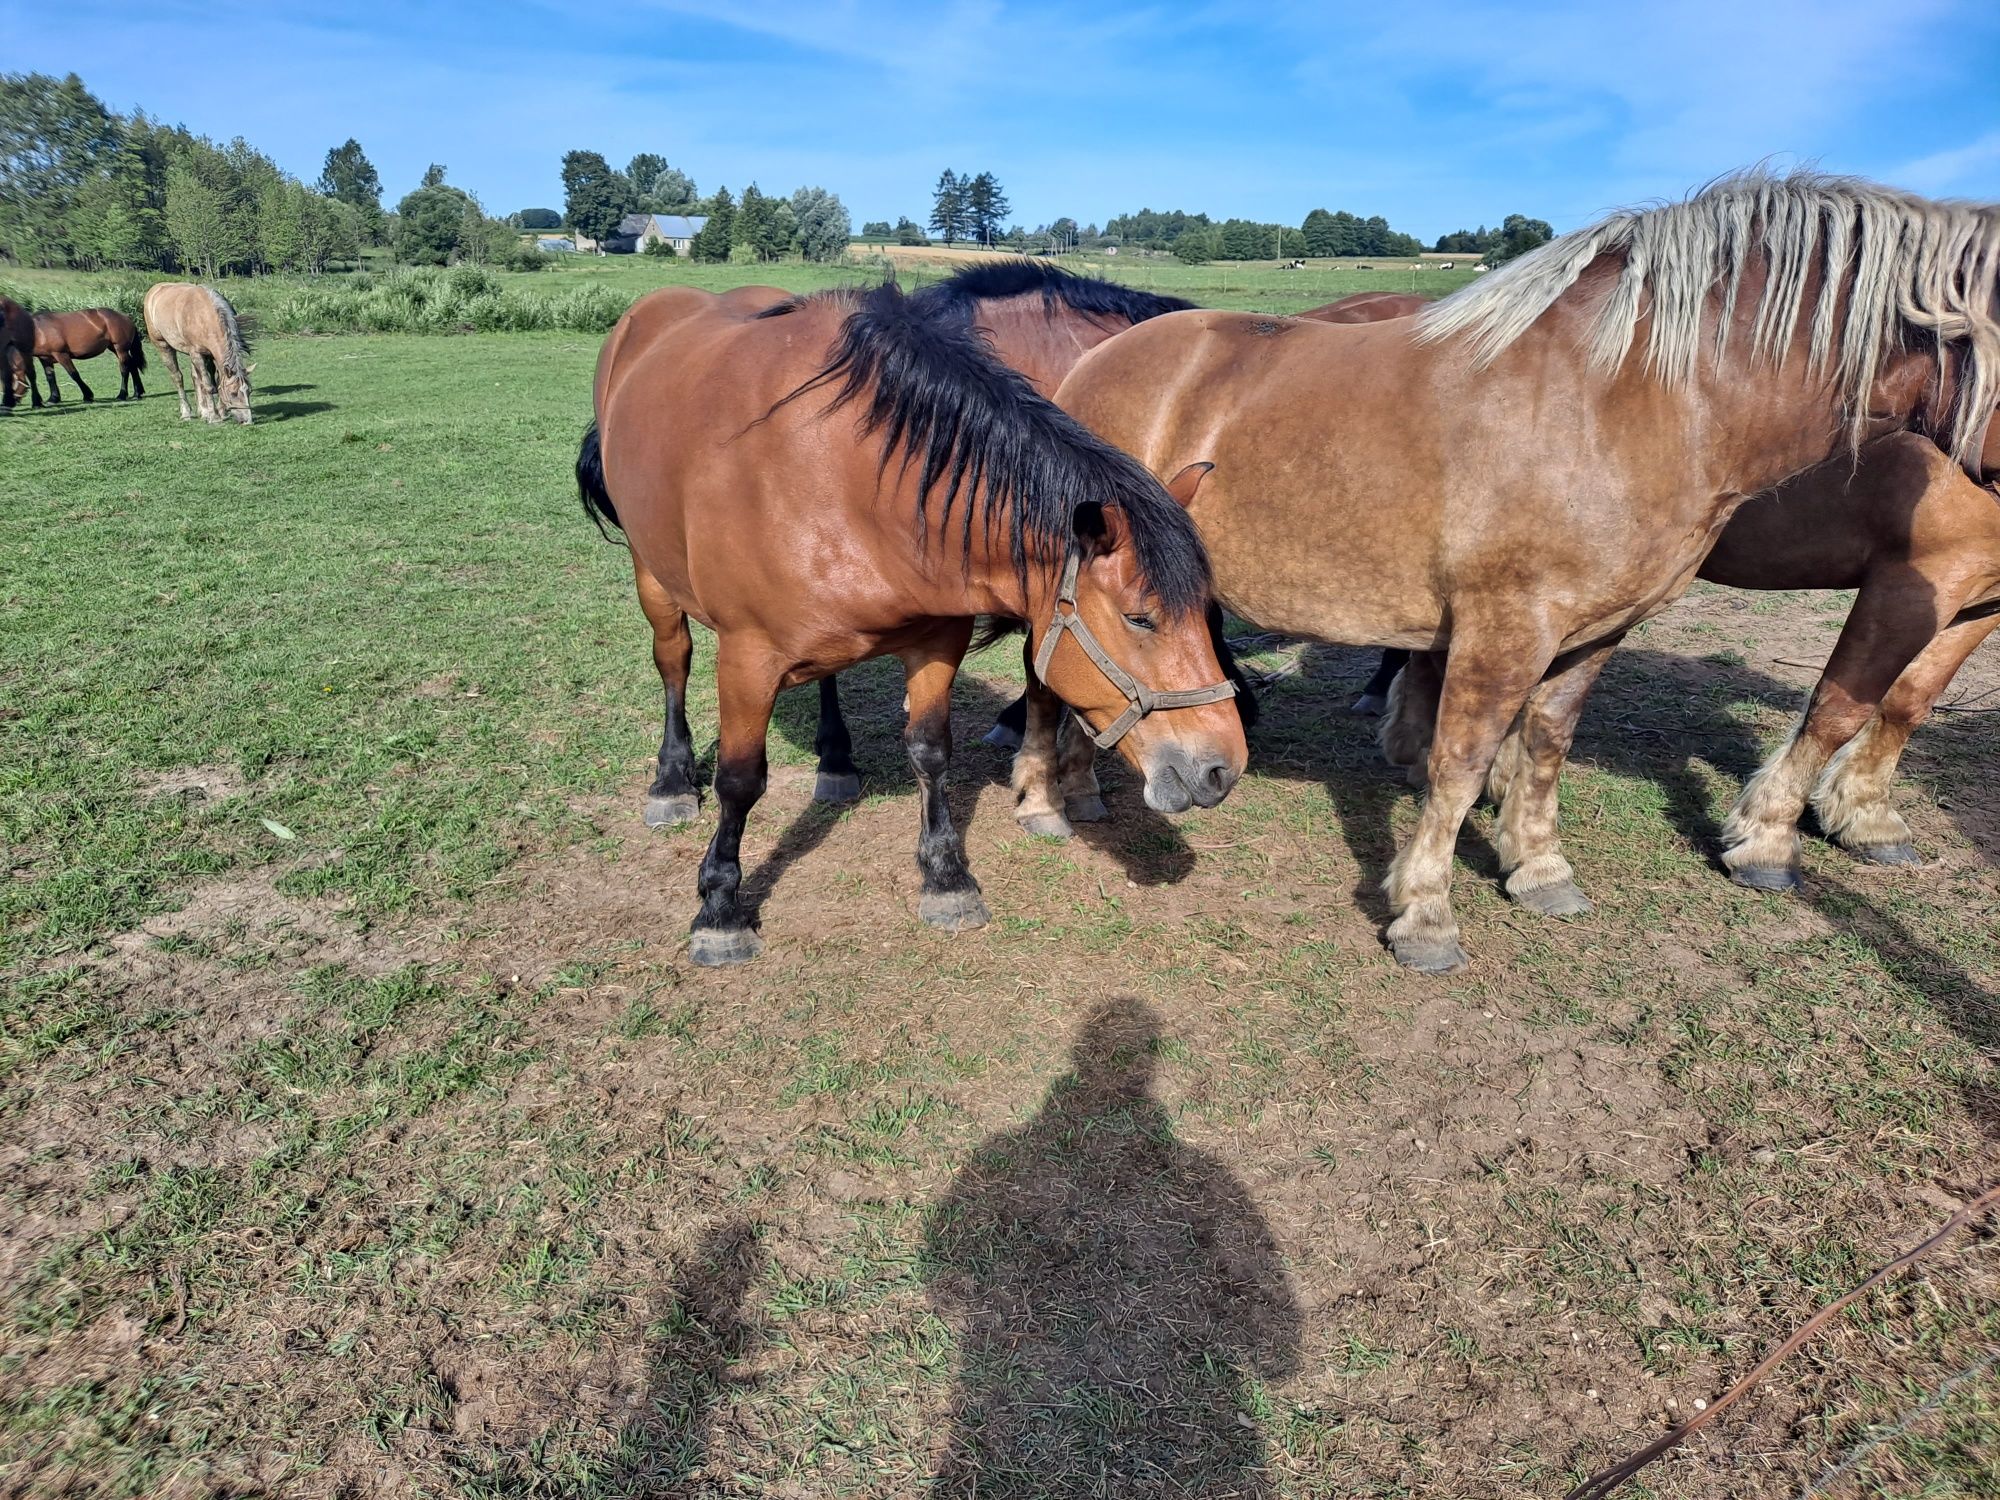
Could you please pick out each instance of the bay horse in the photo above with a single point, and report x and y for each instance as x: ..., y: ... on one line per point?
x: 1039, y: 319
x: 17, y: 354
x: 64, y: 337
x: 834, y: 477
x: 1463, y: 482
x: 1902, y: 525
x: 183, y: 318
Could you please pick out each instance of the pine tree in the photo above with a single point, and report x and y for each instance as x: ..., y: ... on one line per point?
x: 948, y: 206
x: 716, y: 236
x: 986, y: 208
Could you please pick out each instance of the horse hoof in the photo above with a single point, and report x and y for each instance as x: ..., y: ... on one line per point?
x: 1370, y: 705
x: 1046, y: 825
x: 719, y: 947
x: 1562, y: 899
x: 1428, y: 955
x: 952, y: 911
x: 837, y: 786
x: 1090, y: 809
x: 667, y: 812
x: 1888, y: 854
x: 1000, y: 737
x: 1780, y: 878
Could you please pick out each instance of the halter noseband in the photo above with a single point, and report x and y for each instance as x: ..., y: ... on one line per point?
x: 1140, y: 700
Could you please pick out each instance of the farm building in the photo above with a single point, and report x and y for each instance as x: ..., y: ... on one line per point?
x: 637, y: 232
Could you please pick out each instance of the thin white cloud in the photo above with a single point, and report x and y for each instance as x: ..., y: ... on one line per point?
x: 1947, y: 171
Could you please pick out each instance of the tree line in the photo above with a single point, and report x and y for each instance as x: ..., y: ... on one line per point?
x: 83, y: 186
x: 1196, y: 238
x: 597, y: 199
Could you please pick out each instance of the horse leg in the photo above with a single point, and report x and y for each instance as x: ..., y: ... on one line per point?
x: 1852, y: 798
x: 135, y: 358
x: 1011, y: 727
x: 49, y: 374
x: 950, y: 898
x: 180, y: 386
x: 70, y: 365
x: 1524, y: 778
x: 1893, y: 620
x: 1374, y: 697
x: 838, y: 780
x: 1038, y: 803
x: 673, y: 797
x: 1076, y: 765
x: 746, y: 688
x: 1410, y: 713
x: 1487, y: 680
x: 207, y: 388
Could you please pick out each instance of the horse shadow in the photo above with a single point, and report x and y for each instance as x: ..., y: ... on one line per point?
x: 1146, y: 845
x: 1656, y: 716
x: 1116, y: 1293
x: 289, y: 411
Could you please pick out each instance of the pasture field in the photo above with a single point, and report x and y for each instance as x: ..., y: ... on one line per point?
x: 365, y: 1132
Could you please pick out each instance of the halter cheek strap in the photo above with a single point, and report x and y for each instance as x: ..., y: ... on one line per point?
x: 1140, y: 700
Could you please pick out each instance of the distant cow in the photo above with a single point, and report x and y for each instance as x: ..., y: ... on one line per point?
x: 1448, y: 265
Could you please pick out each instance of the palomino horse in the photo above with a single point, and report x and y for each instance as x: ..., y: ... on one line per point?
x: 182, y: 318
x: 1921, y: 543
x: 64, y: 337
x: 837, y: 477
x: 17, y: 351
x: 1040, y: 320
x: 1905, y: 527
x: 1464, y: 482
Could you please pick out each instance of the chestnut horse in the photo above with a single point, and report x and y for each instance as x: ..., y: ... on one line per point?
x: 64, y: 337
x: 835, y: 477
x: 1906, y: 528
x: 17, y: 351
x: 183, y: 318
x: 1463, y: 482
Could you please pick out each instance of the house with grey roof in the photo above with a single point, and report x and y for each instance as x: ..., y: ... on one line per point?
x: 638, y: 232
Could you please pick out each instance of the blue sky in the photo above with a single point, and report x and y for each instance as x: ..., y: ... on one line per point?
x: 1435, y: 115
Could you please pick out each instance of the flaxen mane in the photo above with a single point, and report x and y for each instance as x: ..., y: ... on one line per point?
x: 1915, y: 268
x: 975, y: 430
x: 235, y: 353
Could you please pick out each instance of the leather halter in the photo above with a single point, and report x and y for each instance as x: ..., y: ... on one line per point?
x: 1140, y: 700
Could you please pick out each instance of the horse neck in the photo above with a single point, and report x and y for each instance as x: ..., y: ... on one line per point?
x: 1043, y: 344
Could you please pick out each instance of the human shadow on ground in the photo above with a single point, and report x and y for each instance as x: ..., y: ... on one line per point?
x: 700, y: 1333
x: 284, y: 390
x: 1116, y: 1292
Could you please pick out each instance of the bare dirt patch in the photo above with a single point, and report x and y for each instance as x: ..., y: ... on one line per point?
x: 1169, y: 1172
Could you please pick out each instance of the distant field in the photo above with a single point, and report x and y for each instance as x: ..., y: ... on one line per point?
x: 365, y: 1132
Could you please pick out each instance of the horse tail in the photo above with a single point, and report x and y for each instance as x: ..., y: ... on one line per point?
x: 590, y: 483
x: 1247, y: 708
x: 135, y: 358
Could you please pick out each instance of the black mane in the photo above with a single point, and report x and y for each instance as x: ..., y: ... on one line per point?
x: 975, y: 429
x: 1015, y: 277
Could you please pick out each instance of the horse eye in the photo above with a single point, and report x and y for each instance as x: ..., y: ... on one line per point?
x: 1140, y: 622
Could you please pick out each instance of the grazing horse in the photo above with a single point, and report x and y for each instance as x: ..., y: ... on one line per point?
x: 835, y: 477
x: 199, y: 322
x: 1040, y: 320
x: 1464, y: 482
x: 63, y: 337
x: 17, y: 350
x: 1917, y: 538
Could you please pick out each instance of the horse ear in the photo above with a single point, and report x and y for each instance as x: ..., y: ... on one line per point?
x: 1102, y: 528
x: 1183, y: 485
x: 247, y: 369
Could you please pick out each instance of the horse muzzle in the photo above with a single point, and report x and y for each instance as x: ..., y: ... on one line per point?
x: 1176, y: 780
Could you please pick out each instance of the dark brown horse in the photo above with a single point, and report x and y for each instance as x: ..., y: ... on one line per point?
x: 64, y: 337
x: 836, y: 477
x: 1905, y: 527
x: 1466, y: 482
x: 17, y: 355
